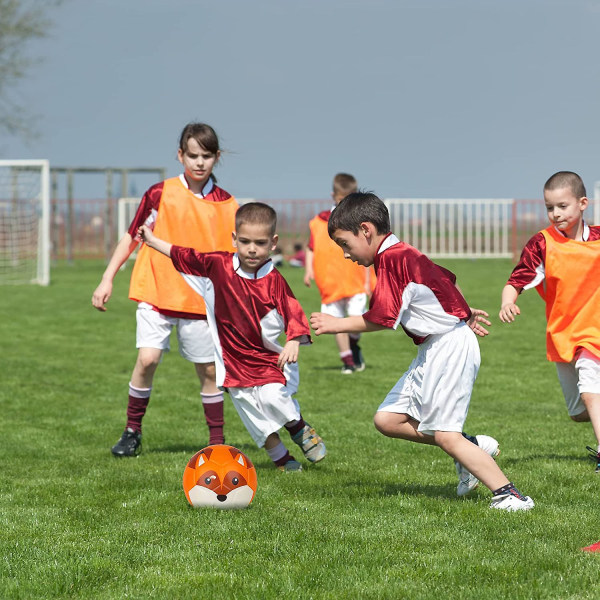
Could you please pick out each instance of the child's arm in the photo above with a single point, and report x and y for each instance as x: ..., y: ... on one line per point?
x: 289, y: 354
x: 309, y: 273
x: 322, y: 323
x: 121, y: 253
x: 509, y: 308
x: 148, y: 237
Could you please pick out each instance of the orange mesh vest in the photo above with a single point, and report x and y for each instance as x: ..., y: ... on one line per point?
x: 572, y: 295
x: 185, y: 220
x: 335, y: 276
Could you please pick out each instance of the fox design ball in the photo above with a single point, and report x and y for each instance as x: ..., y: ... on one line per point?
x: 219, y: 476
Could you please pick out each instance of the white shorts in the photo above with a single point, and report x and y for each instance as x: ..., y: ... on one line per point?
x: 264, y: 409
x: 193, y: 335
x: 436, y: 389
x: 346, y: 307
x: 580, y: 376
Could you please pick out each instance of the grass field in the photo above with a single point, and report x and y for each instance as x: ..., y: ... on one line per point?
x: 377, y: 519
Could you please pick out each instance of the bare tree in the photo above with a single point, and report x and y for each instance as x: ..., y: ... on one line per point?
x: 21, y: 21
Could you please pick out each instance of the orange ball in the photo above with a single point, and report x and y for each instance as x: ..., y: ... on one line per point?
x: 219, y: 476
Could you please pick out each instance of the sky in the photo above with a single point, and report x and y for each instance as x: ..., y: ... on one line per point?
x: 421, y: 98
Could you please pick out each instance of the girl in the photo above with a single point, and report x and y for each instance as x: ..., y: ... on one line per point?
x: 188, y: 210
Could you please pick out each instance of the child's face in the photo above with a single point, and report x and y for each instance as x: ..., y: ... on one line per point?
x: 356, y: 247
x: 565, y: 210
x: 254, y: 244
x: 197, y: 162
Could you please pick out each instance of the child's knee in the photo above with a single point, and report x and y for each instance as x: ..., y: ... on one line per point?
x: 447, y: 440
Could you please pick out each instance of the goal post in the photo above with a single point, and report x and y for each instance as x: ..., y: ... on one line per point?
x: 24, y: 222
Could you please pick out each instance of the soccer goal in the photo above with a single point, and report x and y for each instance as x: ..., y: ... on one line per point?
x: 24, y: 222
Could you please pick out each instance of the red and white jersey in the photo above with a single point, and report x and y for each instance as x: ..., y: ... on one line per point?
x: 246, y: 313
x: 530, y: 270
x: 414, y: 292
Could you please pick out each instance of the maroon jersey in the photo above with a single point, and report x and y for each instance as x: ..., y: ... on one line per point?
x: 414, y: 292
x: 530, y: 270
x: 246, y: 313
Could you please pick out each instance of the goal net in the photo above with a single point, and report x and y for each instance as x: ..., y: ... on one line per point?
x: 24, y: 222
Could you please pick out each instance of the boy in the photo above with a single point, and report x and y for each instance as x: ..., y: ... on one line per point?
x: 563, y: 263
x: 249, y: 304
x: 429, y: 403
x: 343, y: 286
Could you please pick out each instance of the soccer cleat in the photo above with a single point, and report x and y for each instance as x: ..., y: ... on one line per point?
x: 467, y: 482
x: 348, y: 369
x: 595, y: 456
x: 311, y: 444
x: 290, y: 466
x: 130, y: 443
x: 357, y: 357
x: 511, y: 503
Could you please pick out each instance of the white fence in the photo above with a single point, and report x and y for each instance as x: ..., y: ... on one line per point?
x: 454, y: 228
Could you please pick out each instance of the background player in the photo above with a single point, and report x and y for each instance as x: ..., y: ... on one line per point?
x: 249, y: 306
x: 563, y: 263
x: 429, y: 403
x: 344, y: 286
x: 191, y: 210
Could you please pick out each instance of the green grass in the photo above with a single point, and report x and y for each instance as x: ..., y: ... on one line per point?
x: 378, y: 518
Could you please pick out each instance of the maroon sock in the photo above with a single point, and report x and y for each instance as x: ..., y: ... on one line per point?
x: 215, y: 419
x: 284, y: 459
x: 348, y: 360
x: 296, y: 427
x: 136, y: 409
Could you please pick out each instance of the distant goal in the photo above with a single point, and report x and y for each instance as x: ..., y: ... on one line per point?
x: 24, y: 222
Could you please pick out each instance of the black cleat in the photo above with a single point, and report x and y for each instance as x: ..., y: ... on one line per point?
x: 357, y: 357
x: 595, y: 456
x: 130, y: 443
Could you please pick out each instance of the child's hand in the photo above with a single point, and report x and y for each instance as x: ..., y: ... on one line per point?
x: 145, y: 234
x: 322, y: 323
x: 477, y: 317
x: 289, y: 354
x: 308, y: 277
x: 508, y: 312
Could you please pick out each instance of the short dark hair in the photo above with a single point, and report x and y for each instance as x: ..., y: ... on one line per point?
x: 256, y: 213
x: 344, y: 183
x: 566, y: 179
x: 357, y: 208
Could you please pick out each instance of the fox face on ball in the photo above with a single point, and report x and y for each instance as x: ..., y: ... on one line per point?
x: 219, y: 476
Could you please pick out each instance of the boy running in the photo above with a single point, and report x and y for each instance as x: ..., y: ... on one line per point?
x: 429, y: 403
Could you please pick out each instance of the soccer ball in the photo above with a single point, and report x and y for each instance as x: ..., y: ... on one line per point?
x: 219, y: 476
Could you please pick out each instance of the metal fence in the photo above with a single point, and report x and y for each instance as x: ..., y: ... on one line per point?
x: 441, y: 228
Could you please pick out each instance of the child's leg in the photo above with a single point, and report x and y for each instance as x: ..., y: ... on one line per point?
x: 343, y: 343
x: 141, y: 386
x: 280, y: 455
x: 197, y: 346
x: 476, y: 460
x: 213, y: 402
x: 592, y: 405
x: 400, y: 425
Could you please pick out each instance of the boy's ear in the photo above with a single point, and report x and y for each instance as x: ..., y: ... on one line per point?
x: 583, y: 203
x: 366, y: 229
x: 234, y: 239
x: 274, y: 242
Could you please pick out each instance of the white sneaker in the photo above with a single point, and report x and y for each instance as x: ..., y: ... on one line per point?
x: 467, y: 482
x: 511, y: 503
